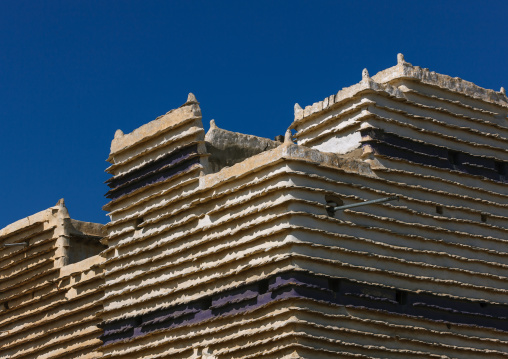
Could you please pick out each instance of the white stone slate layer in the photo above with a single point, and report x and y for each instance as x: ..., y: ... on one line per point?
x: 267, y: 214
x: 201, y: 233
x: 47, y: 307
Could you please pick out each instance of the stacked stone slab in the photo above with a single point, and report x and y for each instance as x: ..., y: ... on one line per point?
x: 154, y: 169
x: 440, y: 144
x: 238, y: 254
x: 228, y: 245
x: 49, y: 287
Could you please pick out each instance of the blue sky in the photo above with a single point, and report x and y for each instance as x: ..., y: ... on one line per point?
x: 72, y: 72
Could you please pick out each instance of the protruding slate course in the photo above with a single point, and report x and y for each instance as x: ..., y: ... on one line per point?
x: 226, y: 245
x: 244, y: 258
x: 50, y: 280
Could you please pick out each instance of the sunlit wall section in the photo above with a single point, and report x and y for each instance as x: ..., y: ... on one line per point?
x: 50, y: 287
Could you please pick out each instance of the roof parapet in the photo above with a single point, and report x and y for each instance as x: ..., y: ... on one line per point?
x: 403, y: 69
x: 121, y: 141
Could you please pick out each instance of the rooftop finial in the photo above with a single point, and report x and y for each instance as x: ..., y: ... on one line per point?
x: 400, y: 59
x: 61, y: 202
x: 191, y: 98
x: 297, y: 107
x: 365, y: 74
x: 503, y: 91
x: 212, y: 124
x: 287, y: 137
x: 118, y: 133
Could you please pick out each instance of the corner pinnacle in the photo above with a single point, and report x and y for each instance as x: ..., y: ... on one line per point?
x: 287, y: 137
x: 400, y: 59
x: 365, y: 74
x: 191, y: 98
x: 118, y: 133
x: 212, y: 124
x: 61, y: 202
x: 503, y: 91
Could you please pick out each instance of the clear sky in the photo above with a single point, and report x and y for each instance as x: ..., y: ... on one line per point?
x: 72, y: 72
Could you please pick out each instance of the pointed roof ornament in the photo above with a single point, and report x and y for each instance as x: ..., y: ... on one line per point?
x: 400, y: 59
x: 287, y: 137
x: 365, y: 74
x: 61, y: 202
x: 503, y: 91
x: 298, y: 110
x: 191, y: 98
x: 213, y: 125
x: 118, y: 133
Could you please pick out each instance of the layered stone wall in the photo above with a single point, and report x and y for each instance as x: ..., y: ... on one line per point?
x: 228, y: 245
x: 50, y: 280
x: 244, y: 258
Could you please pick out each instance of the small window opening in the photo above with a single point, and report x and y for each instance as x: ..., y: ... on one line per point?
x: 401, y: 297
x: 263, y: 286
x: 5, y: 305
x: 439, y: 209
x: 448, y: 325
x: 334, y: 284
x: 483, y: 304
x: 332, y: 201
x: 484, y: 217
x: 206, y: 302
x: 137, y: 224
x: 453, y: 157
x: 500, y: 168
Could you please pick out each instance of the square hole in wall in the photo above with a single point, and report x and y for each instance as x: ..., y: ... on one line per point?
x: 334, y: 284
x: 500, y: 168
x: 439, y: 209
x: 137, y: 225
x: 206, y: 303
x: 453, y: 157
x: 401, y: 297
x: 263, y: 286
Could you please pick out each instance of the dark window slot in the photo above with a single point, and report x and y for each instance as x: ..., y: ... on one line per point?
x: 206, y: 303
x: 500, y: 168
x: 401, y: 297
x: 263, y: 286
x: 334, y: 284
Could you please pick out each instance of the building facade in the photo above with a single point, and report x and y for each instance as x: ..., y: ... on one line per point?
x: 225, y: 245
